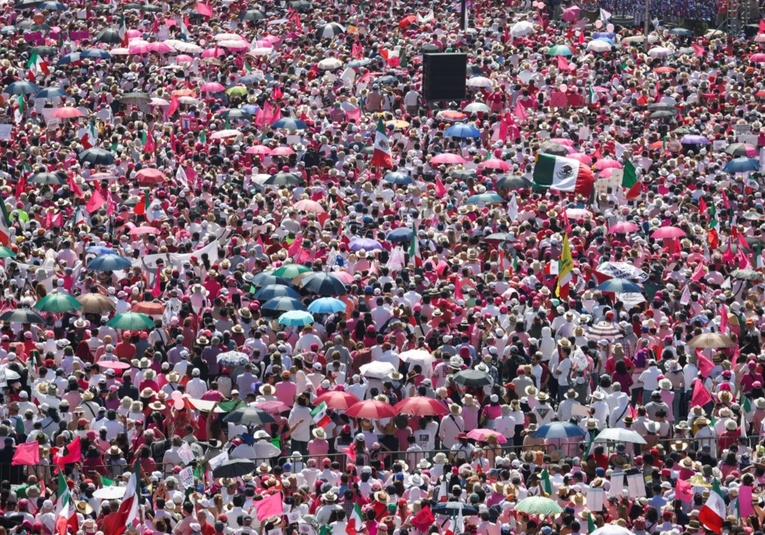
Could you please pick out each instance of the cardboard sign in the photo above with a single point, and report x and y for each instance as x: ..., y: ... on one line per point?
x: 614, y: 183
x: 595, y: 499
x: 742, y: 129
x: 186, y: 477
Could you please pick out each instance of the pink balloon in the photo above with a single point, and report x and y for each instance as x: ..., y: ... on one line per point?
x: 610, y: 28
x: 598, y: 23
x: 563, y: 88
x: 177, y: 398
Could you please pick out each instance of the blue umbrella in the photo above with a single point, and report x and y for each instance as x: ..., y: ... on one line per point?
x: 265, y: 278
x: 484, y: 198
x: 402, y: 179
x: 100, y: 249
x: 386, y: 80
x: 558, y: 430
x: 359, y: 63
x: 605, y: 40
x: 463, y: 131
x: 275, y: 290
x: 620, y: 286
x: 326, y: 305
x: 607, y: 35
x: 367, y: 244
x: 22, y: 88
x: 110, y: 262
x: 400, y: 235
x: 52, y: 6
x: 50, y: 92
x: 70, y: 58
x: 95, y: 53
x: 289, y: 124
x: 742, y: 165
x: 296, y: 318
x: 283, y: 304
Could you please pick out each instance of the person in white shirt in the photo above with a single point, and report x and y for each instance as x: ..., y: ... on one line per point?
x: 649, y: 380
x: 196, y: 387
x: 451, y: 425
x: 566, y: 407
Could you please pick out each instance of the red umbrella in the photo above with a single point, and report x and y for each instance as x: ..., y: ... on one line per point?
x: 448, y: 158
x: 406, y: 21
x: 757, y: 58
x: 668, y: 232
x: 421, y: 406
x: 272, y: 407
x: 453, y: 115
x: 150, y: 176
x: 495, y: 163
x: 67, y: 112
x: 340, y: 401
x: 623, y: 228
x: 372, y: 409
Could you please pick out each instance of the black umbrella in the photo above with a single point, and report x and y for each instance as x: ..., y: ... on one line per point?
x: 328, y: 31
x: 236, y: 114
x: 47, y: 178
x: 249, y: 416
x: 283, y: 179
x: 551, y: 147
x: 472, y: 378
x: 662, y: 114
x: 429, y: 49
x: 22, y: 88
x: 234, y: 468
x: 265, y: 279
x: 512, y: 183
x: 323, y: 284
x: 151, y: 8
x: 45, y: 51
x: 96, y: 156
x: 252, y: 14
x: 463, y: 174
x: 300, y: 5
x: 453, y: 508
x: 110, y: 36
x: 22, y: 315
x: 135, y: 99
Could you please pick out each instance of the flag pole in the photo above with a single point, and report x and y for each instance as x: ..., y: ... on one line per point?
x: 463, y: 12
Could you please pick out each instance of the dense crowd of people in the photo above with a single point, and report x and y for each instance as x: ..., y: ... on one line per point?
x: 254, y: 282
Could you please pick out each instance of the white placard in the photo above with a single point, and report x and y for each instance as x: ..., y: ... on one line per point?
x: 293, y: 517
x: 186, y: 477
x: 636, y: 485
x: 631, y: 299
x: 617, y: 484
x: 584, y: 133
x: 218, y: 460
x: 741, y: 129
x: 719, y: 144
x: 185, y: 453
x: 595, y: 499
x: 5, y: 131
x: 614, y: 183
x: 275, y: 531
x: 306, y: 529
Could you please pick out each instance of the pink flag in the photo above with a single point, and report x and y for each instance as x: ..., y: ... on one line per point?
x: 698, y: 273
x: 264, y: 115
x: 703, y: 364
x: 350, y: 451
x: 151, y: 145
x: 723, y: 319
x: 204, y: 10
x: 563, y: 63
x: 173, y: 106
x: 357, y: 51
x: 745, y: 501
x: 27, y: 454
x: 683, y: 491
x: 271, y: 506
x: 458, y: 289
x: 520, y: 111
x: 701, y: 395
x: 295, y: 246
x: 440, y: 188
x: 354, y: 114
x: 96, y: 201
x: 698, y: 49
x: 503, y: 127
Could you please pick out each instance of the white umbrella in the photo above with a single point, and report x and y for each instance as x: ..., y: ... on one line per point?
x: 480, y: 81
x: 620, y: 435
x: 377, y: 370
x: 228, y: 37
x: 598, y: 46
x: 119, y: 52
x: 186, y: 48
x: 660, y: 52
x: 611, y: 529
x: 330, y: 64
x: 417, y: 355
x: 622, y: 270
x: 259, y: 450
x: 260, y: 51
x: 110, y: 493
x: 234, y: 44
x: 156, y: 101
x: 476, y: 107
x: 223, y: 134
x: 760, y: 38
x: 640, y: 38
x: 188, y: 100
x: 522, y: 29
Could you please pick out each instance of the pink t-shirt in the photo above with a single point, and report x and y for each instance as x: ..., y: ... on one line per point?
x: 318, y: 447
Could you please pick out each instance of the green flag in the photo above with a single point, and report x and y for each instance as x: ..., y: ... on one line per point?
x: 202, y: 137
x: 6, y: 217
x: 106, y: 482
x: 590, y: 523
x: 546, y: 483
x: 277, y: 441
x: 589, y: 446
x: 629, y: 178
x: 228, y: 406
x: 61, y: 484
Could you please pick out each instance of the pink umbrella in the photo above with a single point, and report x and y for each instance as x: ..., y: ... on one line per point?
x: 183, y: 58
x: 372, y: 409
x: 213, y: 52
x: 161, y: 48
x: 133, y: 33
x: 563, y: 141
x: 234, y: 45
x: 344, y: 276
x: 576, y: 213
x: 114, y: 365
x: 307, y: 205
x: 606, y: 173
x: 570, y: 14
x: 448, y: 158
x: 150, y: 176
x: 212, y: 87
x: 607, y: 163
x: 482, y: 435
x: 495, y: 163
x: 67, y: 112
x: 282, y: 151
x: 272, y: 39
x: 140, y: 231
x: 272, y: 407
x: 262, y: 43
x: 586, y: 159
x: 623, y: 228
x: 139, y: 50
x: 757, y: 58
x: 260, y: 150
x: 668, y: 232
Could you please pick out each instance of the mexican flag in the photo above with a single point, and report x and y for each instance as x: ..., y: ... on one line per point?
x: 142, y: 206
x: 18, y: 114
x: 414, y: 249
x: 36, y: 66
x: 712, y: 513
x: 66, y: 512
x: 319, y: 415
x: 355, y: 521
x: 116, y: 523
x: 5, y: 225
x: 592, y: 96
x: 123, y: 31
x: 563, y: 174
x: 392, y: 57
x: 381, y: 156
x: 630, y: 181
x: 546, y: 482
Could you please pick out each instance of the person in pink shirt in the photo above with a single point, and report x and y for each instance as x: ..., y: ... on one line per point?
x: 319, y: 445
x: 286, y: 390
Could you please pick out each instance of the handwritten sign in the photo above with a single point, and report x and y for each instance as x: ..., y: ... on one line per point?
x: 186, y: 477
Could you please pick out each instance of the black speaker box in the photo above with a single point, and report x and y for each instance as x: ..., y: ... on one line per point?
x: 444, y: 76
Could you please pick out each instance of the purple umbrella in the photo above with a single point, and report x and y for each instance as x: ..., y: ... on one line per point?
x: 694, y: 140
x: 571, y: 14
x: 367, y: 244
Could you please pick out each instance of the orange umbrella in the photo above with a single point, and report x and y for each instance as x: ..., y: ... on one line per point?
x: 406, y: 21
x: 151, y: 308
x: 183, y: 93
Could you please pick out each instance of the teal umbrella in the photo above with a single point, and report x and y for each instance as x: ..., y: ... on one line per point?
x: 290, y: 271
x: 131, y: 321
x: 560, y: 50
x: 296, y: 318
x: 537, y: 505
x: 57, y: 302
x: 326, y: 305
x: 485, y: 198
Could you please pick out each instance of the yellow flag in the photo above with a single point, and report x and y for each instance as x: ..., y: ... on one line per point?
x: 565, y: 266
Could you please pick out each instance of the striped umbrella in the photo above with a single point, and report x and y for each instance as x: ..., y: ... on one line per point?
x: 604, y: 330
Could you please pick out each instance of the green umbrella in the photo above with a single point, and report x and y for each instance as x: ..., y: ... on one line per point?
x: 6, y: 253
x: 237, y: 91
x: 133, y: 321
x: 290, y: 271
x: 537, y: 505
x: 57, y: 302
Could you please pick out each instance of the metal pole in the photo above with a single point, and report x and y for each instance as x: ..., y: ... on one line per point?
x: 645, y: 23
x: 463, y: 13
